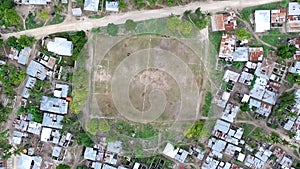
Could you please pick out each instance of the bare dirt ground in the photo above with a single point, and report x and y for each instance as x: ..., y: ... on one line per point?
x: 120, y: 18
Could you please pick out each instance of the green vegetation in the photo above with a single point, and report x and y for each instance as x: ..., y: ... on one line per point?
x: 175, y: 24
x: 247, y: 129
x: 293, y: 78
x: 112, y: 29
x: 139, y: 4
x: 104, y: 125
x: 34, y: 110
x: 243, y: 34
x: 43, y: 15
x: 237, y: 65
x: 130, y: 25
x: 135, y: 130
x: 21, y: 42
x: 245, y: 107
x: 275, y: 38
x: 5, y: 111
x: 286, y: 99
x: 81, y: 167
x: 93, y: 126
x: 83, y: 138
x: 79, y: 1
x: 8, y: 14
x: 253, y: 82
x: 206, y: 107
x: 198, y: 18
x: 31, y: 23
x: 63, y: 166
x: 246, y: 12
x: 195, y: 130
x: 58, y: 18
x: 284, y: 3
x: 6, y: 148
x: 286, y: 52
x: 215, y: 40
x: 80, y: 84
x: 10, y: 77
x: 122, y: 5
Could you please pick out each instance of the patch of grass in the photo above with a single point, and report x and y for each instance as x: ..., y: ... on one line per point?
x: 30, y: 22
x: 275, y: 38
x: 247, y: 129
x: 207, y: 104
x: 246, y: 12
x: 95, y: 16
x: 57, y: 19
x: 215, y: 40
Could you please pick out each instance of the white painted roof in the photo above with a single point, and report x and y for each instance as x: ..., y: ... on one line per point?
x: 262, y: 20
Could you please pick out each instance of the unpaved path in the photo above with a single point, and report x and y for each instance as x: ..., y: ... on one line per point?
x: 120, y: 18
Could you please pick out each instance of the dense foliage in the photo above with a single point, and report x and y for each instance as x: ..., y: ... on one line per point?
x: 44, y: 15
x: 21, y: 42
x: 63, y: 166
x: 286, y: 52
x: 8, y: 14
x: 198, y: 18
x: 34, y: 110
x: 122, y: 5
x: 10, y: 77
x: 130, y: 25
x: 245, y: 107
x: 112, y: 29
x: 206, y: 107
x: 7, y: 149
x: 5, y: 111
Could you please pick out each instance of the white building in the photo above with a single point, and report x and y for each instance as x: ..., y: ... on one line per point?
x: 60, y: 46
x: 91, y: 5
x: 262, y: 20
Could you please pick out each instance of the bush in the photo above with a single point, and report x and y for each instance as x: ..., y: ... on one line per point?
x: 63, y: 166
x: 242, y: 34
x: 104, y: 126
x: 195, y: 130
x: 92, y: 126
x: 130, y: 25
x: 245, y: 107
x: 122, y: 5
x: 43, y: 15
x: 112, y: 29
x: 286, y: 52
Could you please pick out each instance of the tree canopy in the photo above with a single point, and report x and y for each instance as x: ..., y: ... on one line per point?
x: 11, y: 17
x: 198, y: 18
x: 195, y: 130
x: 112, y: 29
x: 130, y: 25
x: 43, y: 15
x: 104, y: 126
x: 286, y: 52
x: 21, y: 42
x: 63, y: 166
x: 242, y: 34
x: 93, y: 126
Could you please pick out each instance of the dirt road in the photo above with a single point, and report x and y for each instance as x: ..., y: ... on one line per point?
x: 120, y: 18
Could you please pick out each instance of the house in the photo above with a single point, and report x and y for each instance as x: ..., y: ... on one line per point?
x: 265, y: 69
x: 60, y: 46
x: 96, y: 165
x: 61, y: 90
x: 270, y: 97
x: 262, y: 20
x: 30, y: 82
x: 253, y: 162
x: 227, y: 47
x: 112, y: 6
x: 37, y: 70
x: 241, y: 54
x: 223, y: 99
x: 90, y: 154
x: 230, y: 113
x: 29, y: 162
x: 91, y: 5
x: 246, y: 78
x: 256, y: 54
x: 286, y: 162
x: 114, y: 147
x: 54, y: 105
x: 52, y: 121
x: 293, y: 17
x: 49, y: 62
x: 175, y: 153
x: 231, y: 76
x: 13, y: 54
x: 210, y: 163
x: 278, y: 17
x: 25, y: 93
x: 77, y: 12
x: 217, y: 146
x: 35, y: 2
x: 64, y: 1
x: 223, y: 22
x: 24, y: 55
x: 105, y: 166
x: 264, y: 109
x: 34, y: 128
x: 56, y: 151
x: 232, y: 149
x: 221, y: 128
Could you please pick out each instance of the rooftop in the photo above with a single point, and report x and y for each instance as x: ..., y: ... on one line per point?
x: 230, y: 113
x: 256, y: 54
x: 112, y: 6
x: 76, y: 11
x: 294, y: 8
x: 222, y: 22
x: 52, y: 121
x: 37, y: 70
x: 262, y: 20
x: 24, y: 55
x: 91, y: 5
x: 278, y: 16
x: 241, y: 54
x: 90, y: 153
x: 231, y: 76
x: 61, y: 46
x: 54, y: 105
x: 114, y: 147
x: 30, y: 82
x: 227, y: 46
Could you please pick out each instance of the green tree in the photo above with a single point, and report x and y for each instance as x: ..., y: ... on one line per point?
x: 81, y: 167
x: 43, y: 15
x: 243, y: 34
x: 11, y: 18
x: 237, y: 65
x: 172, y: 23
x: 198, y: 18
x: 112, y: 29
x: 12, y: 42
x: 245, y: 107
x: 93, y: 126
x: 275, y: 138
x: 26, y: 41
x: 195, y: 130
x: 122, y: 5
x: 286, y: 52
x: 130, y: 25
x: 185, y: 27
x: 63, y: 166
x: 104, y: 126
